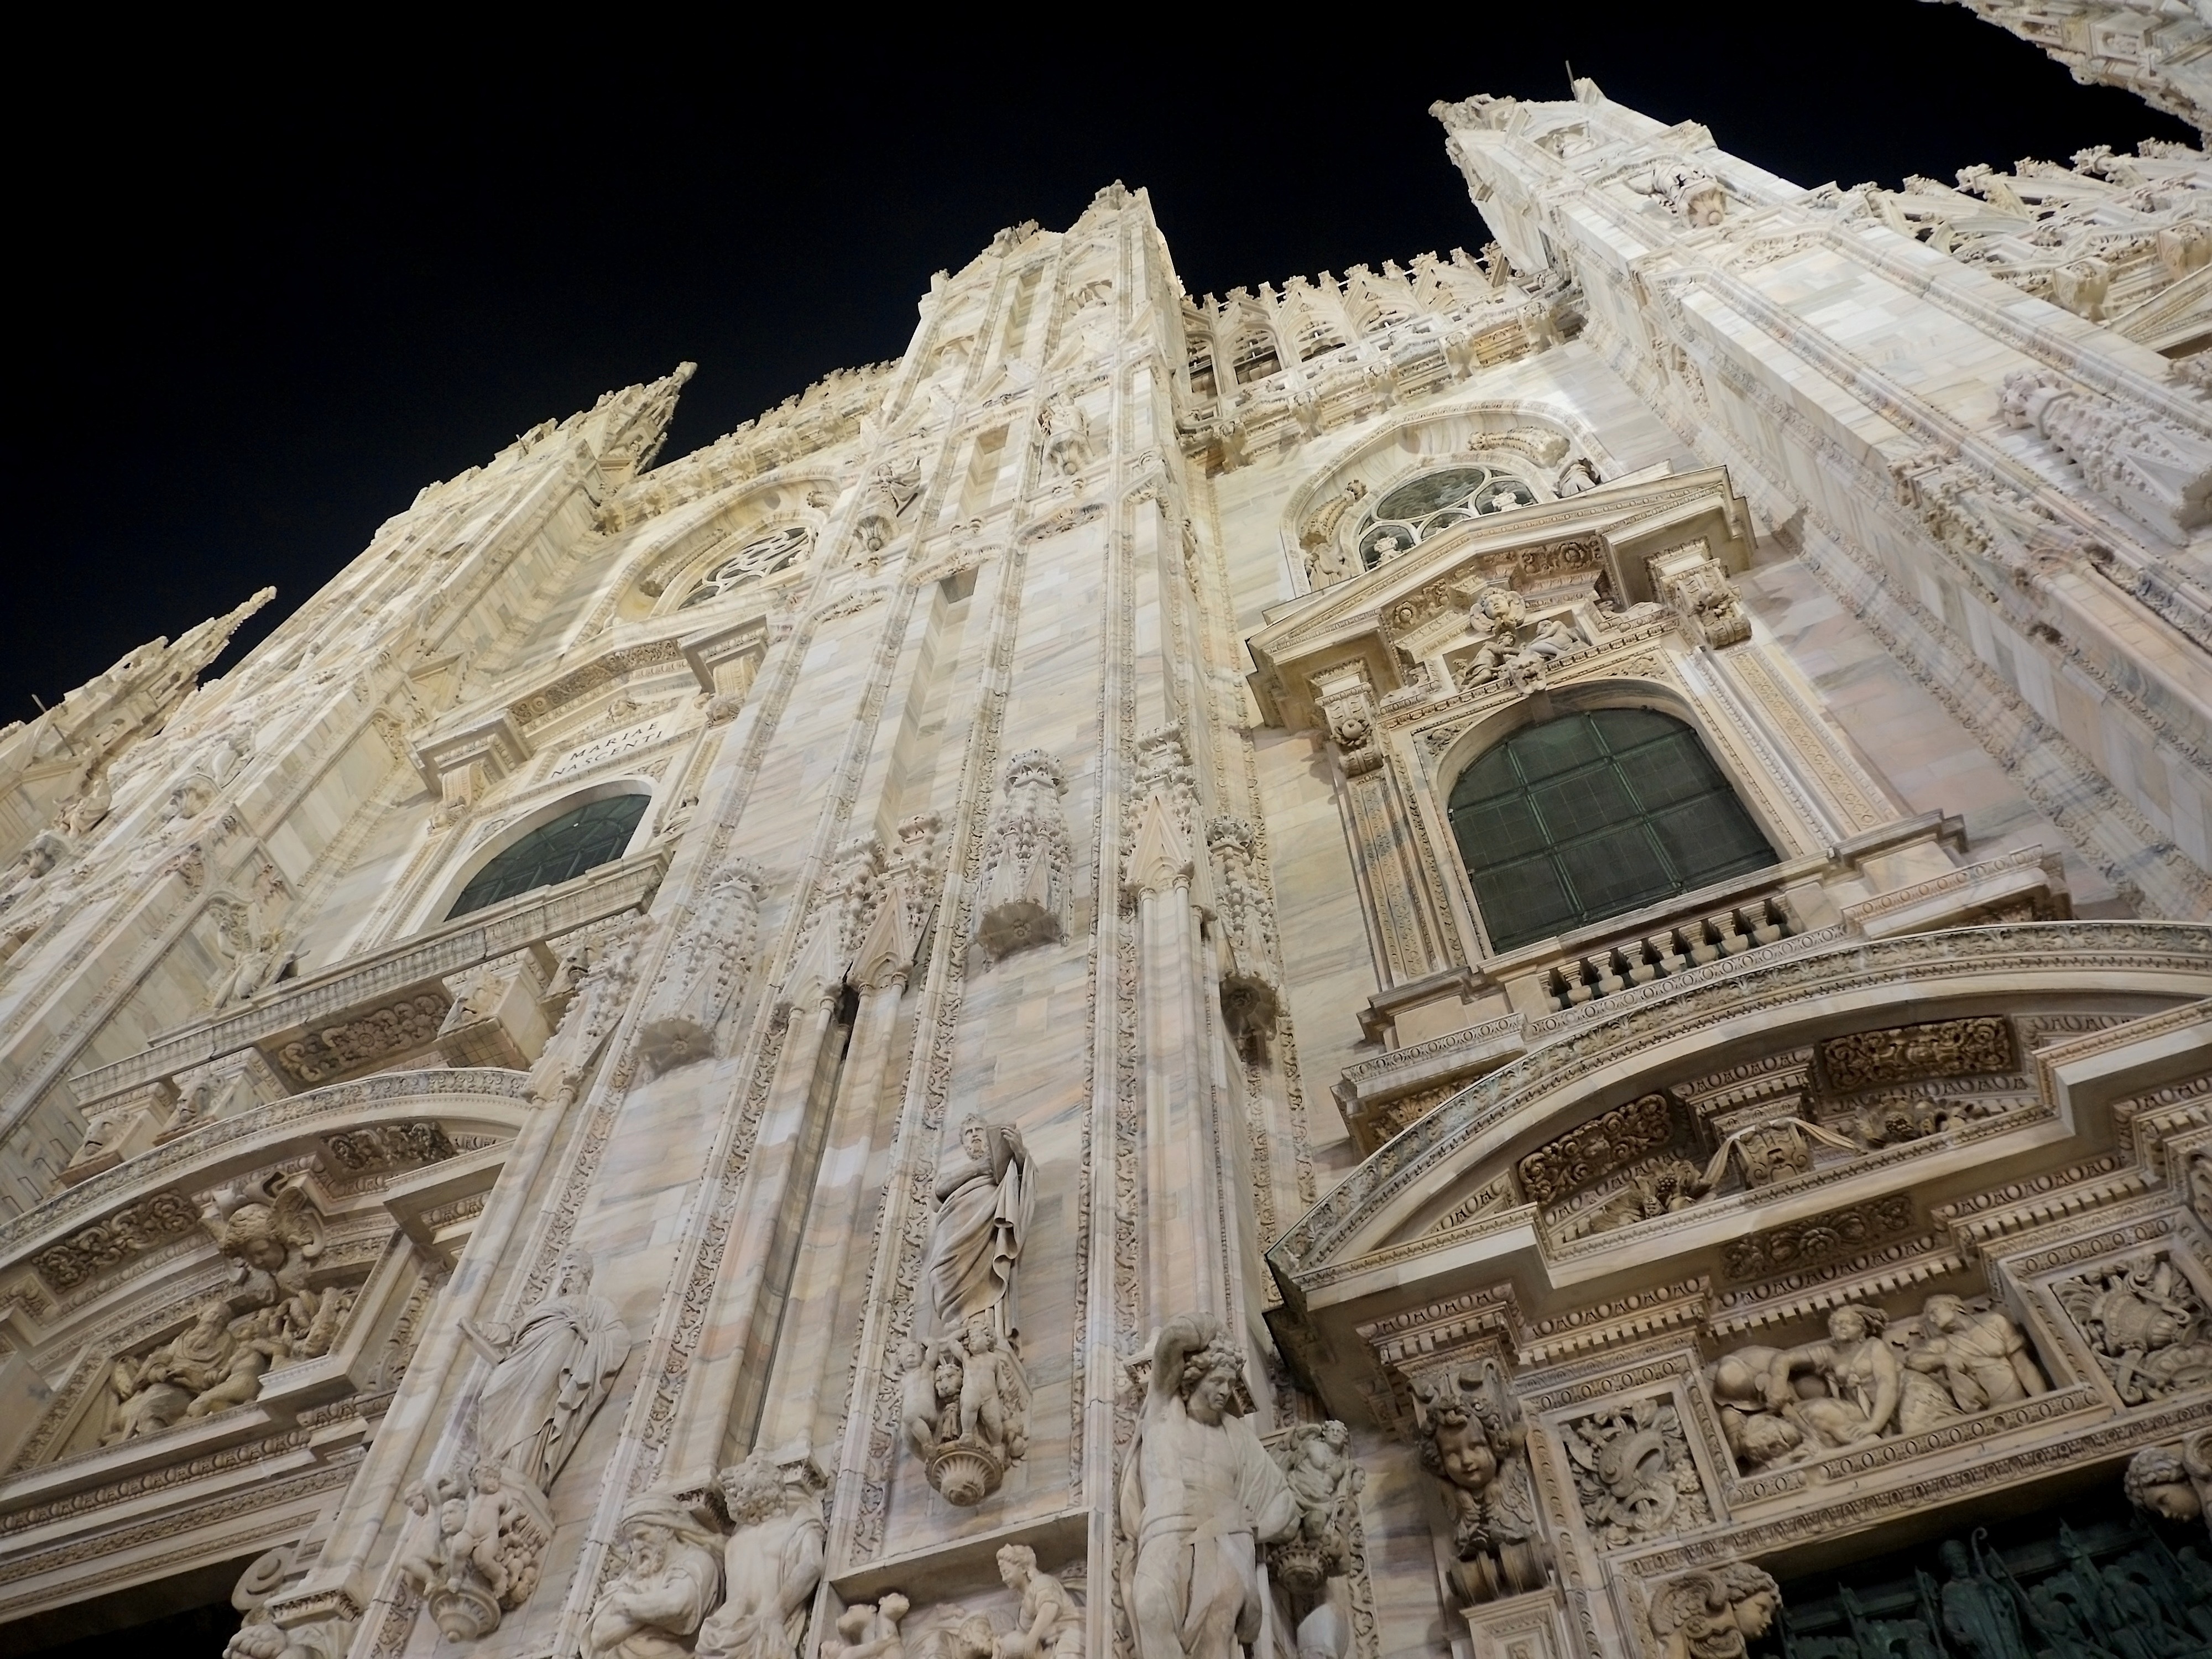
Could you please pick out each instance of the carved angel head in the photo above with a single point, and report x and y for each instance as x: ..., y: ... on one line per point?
x: 267, y: 1227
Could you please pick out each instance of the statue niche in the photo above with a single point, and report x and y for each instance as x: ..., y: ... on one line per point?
x: 964, y: 1397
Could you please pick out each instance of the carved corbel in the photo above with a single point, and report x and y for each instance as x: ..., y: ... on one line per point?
x: 1691, y: 581
x: 2153, y: 469
x: 497, y: 1018
x: 1251, y: 998
x: 119, y: 1127
x: 1347, y: 700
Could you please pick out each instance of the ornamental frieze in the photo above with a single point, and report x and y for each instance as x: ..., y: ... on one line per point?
x: 1903, y: 1054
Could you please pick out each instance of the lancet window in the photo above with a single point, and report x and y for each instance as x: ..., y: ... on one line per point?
x: 1201, y: 370
x: 764, y: 557
x: 593, y: 833
x: 1593, y: 815
x: 1419, y: 507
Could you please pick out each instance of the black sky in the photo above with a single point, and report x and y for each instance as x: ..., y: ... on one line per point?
x: 258, y: 321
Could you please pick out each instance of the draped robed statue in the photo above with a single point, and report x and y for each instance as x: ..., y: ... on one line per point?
x: 552, y: 1372
x: 984, y: 1198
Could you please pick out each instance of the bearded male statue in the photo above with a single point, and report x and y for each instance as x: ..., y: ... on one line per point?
x: 1199, y: 1495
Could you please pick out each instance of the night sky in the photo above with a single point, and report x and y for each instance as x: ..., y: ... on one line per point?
x: 270, y: 300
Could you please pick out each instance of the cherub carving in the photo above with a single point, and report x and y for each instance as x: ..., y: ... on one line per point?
x: 1325, y: 1481
x: 1472, y: 1439
x: 274, y: 1235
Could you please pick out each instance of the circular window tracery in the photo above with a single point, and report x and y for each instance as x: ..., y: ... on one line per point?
x: 771, y: 553
x: 1417, y: 509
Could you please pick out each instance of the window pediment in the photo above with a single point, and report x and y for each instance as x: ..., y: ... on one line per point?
x: 1588, y: 548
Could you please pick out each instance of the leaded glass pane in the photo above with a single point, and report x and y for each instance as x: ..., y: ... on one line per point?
x: 592, y: 834
x: 1593, y: 815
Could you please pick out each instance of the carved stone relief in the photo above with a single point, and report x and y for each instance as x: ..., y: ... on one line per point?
x: 1633, y: 1474
x: 705, y: 970
x: 1714, y: 1612
x: 2146, y: 1325
x: 1871, y: 1379
x: 2174, y: 1482
x: 1027, y: 859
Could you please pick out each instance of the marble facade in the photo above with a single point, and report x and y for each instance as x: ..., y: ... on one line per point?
x: 1041, y: 1040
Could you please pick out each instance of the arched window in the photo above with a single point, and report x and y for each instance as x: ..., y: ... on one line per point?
x: 1201, y: 370
x: 584, y: 839
x: 1593, y: 815
x: 1255, y: 357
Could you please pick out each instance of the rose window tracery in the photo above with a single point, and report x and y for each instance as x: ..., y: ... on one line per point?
x: 764, y: 557
x: 1417, y: 509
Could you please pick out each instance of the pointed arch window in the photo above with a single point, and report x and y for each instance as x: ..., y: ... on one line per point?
x: 591, y: 835
x: 1593, y: 815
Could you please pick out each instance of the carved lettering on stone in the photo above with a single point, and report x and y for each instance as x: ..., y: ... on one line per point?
x: 1027, y: 859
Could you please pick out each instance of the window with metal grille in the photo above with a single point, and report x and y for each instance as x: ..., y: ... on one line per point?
x: 1593, y: 815
x: 592, y: 834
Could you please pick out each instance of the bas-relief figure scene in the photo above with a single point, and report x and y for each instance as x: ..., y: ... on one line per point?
x: 1505, y: 957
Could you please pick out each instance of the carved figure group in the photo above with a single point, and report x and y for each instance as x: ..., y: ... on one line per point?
x: 1199, y: 1496
x: 1867, y: 1383
x: 1505, y: 642
x: 688, y: 1585
x: 480, y: 1541
x: 273, y: 1236
x: 1473, y: 1440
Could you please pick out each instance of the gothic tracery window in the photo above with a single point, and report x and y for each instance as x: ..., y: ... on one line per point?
x: 593, y: 833
x: 1593, y: 815
x: 1419, y: 507
x: 764, y: 557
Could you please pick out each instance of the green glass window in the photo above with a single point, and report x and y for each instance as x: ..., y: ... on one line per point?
x: 1594, y: 815
x: 592, y: 834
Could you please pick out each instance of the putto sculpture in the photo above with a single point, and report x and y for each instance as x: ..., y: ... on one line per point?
x: 1199, y: 1496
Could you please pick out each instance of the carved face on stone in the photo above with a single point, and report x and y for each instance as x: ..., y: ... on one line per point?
x: 1016, y: 1562
x: 575, y: 1277
x: 1943, y: 1313
x: 976, y: 1139
x: 752, y: 1491
x: 1212, y: 1382
x: 1464, y: 1455
x: 1847, y: 1326
x: 2157, y: 1480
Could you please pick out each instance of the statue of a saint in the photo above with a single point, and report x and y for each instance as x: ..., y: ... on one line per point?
x: 984, y: 1198
x: 1199, y: 1495
x: 552, y: 1373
